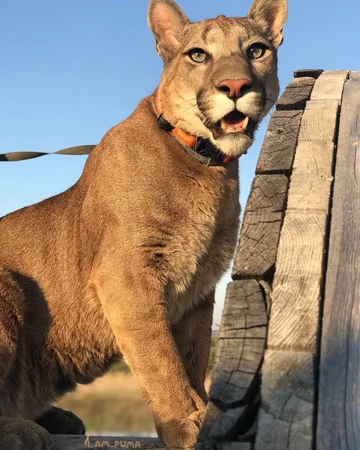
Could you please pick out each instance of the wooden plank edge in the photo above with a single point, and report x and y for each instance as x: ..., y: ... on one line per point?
x: 234, y: 393
x: 296, y: 94
x: 260, y: 230
x: 314, y: 73
x: 279, y: 145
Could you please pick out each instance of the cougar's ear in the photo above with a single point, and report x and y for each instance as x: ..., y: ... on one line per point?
x: 167, y: 22
x: 272, y: 15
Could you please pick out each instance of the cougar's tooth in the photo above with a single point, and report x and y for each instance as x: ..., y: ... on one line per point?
x: 223, y: 124
x: 246, y: 123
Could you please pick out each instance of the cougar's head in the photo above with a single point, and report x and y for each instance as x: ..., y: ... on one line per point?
x: 220, y: 75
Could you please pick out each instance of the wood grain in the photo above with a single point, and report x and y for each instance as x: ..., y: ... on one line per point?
x: 297, y: 283
x: 286, y: 415
x: 296, y: 296
x: 296, y: 94
x: 220, y: 426
x: 339, y: 391
x: 228, y: 424
x: 312, y: 177
x: 319, y: 121
x: 330, y: 85
x: 260, y: 231
x: 278, y: 149
x: 241, y: 345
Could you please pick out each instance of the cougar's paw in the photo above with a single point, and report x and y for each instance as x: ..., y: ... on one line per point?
x: 58, y: 421
x: 21, y: 434
x: 181, y: 433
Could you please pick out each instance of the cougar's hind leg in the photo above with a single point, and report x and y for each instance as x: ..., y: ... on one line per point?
x: 10, y: 322
x: 15, y: 433
x: 58, y: 421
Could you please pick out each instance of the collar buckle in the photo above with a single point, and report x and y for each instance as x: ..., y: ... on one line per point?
x: 207, y: 149
x: 163, y: 124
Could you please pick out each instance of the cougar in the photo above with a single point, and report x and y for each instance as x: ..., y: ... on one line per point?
x: 124, y: 264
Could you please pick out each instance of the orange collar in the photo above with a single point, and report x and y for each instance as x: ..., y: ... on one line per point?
x: 187, y: 139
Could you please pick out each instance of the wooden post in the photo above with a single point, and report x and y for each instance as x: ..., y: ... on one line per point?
x: 338, y: 425
x: 286, y: 419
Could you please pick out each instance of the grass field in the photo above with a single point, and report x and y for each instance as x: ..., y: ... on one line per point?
x: 110, y: 403
x: 113, y: 403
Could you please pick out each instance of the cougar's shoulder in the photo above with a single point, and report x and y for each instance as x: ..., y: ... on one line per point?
x: 138, y: 142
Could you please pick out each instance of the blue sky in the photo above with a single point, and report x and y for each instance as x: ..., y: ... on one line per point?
x: 71, y: 69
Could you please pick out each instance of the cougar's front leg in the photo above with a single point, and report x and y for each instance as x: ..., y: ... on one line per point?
x: 138, y: 315
x: 193, y: 337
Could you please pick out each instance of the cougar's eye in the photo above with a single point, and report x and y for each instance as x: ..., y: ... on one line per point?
x: 257, y: 51
x: 198, y: 55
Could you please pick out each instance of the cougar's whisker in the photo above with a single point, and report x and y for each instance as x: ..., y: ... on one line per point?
x: 186, y: 101
x: 205, y: 121
x: 192, y: 106
x: 202, y: 115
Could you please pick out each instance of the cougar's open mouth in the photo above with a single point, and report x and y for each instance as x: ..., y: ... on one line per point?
x: 235, y: 122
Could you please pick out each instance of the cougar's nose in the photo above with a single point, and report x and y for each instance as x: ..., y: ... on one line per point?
x: 234, y: 88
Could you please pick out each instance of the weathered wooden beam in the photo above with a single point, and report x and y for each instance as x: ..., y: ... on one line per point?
x: 300, y: 262
x: 224, y: 425
x: 296, y: 94
x: 338, y: 424
x: 298, y: 279
x: 239, y: 356
x: 319, y: 121
x: 286, y: 418
x: 278, y: 149
x: 330, y: 86
x: 220, y: 427
x: 241, y: 344
x: 312, y: 177
x: 260, y: 230
x: 300, y: 259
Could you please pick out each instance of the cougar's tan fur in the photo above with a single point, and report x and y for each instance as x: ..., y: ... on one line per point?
x: 125, y: 262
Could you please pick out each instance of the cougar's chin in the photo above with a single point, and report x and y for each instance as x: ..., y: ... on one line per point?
x: 233, y: 144
x: 234, y: 133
